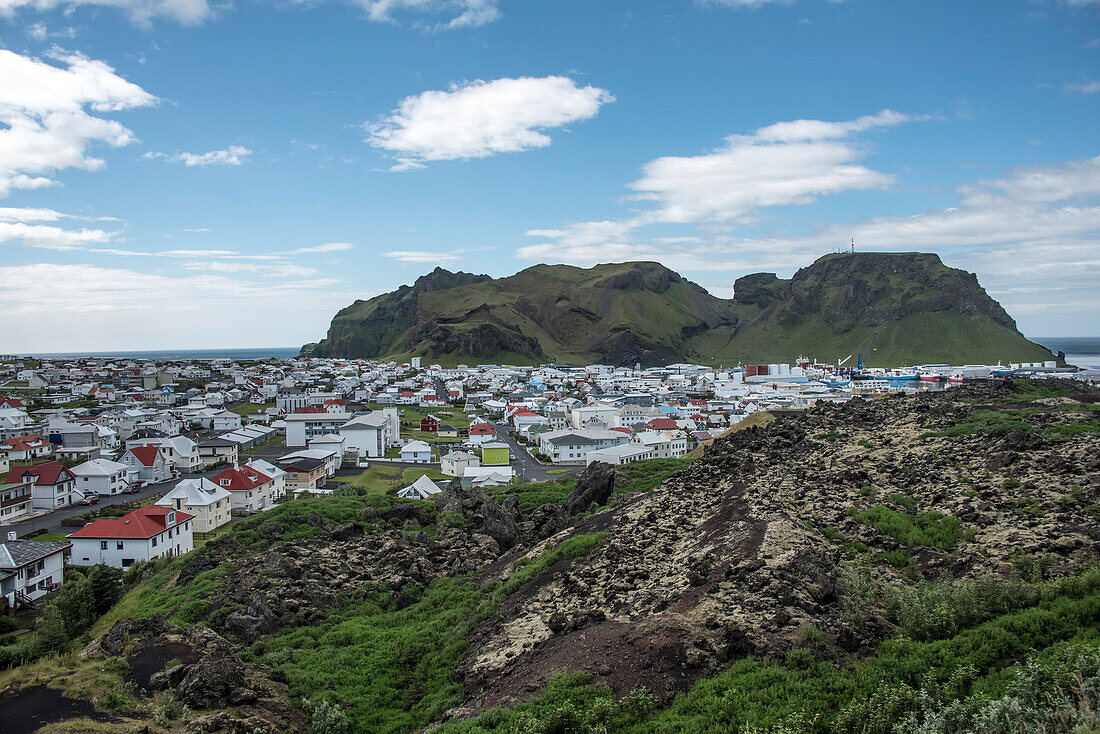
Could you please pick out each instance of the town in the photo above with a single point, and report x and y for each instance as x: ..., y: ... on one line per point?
x: 119, y: 462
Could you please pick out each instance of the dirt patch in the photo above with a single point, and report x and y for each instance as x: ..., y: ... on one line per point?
x: 615, y: 654
x: 31, y: 709
x: 153, y: 660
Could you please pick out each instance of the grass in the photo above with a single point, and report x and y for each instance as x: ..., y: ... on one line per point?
x: 642, y: 476
x: 928, y: 529
x: 378, y: 479
x: 251, y: 408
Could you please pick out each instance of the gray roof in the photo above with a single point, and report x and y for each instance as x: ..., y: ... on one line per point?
x: 571, y: 439
x: 18, y: 553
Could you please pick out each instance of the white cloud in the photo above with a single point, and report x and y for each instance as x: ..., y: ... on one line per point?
x: 16, y: 214
x: 465, y: 13
x: 479, y: 119
x: 454, y: 13
x: 196, y: 230
x: 44, y: 123
x: 49, y: 237
x: 327, y: 247
x: 234, y: 155
x: 1084, y: 87
x: 787, y: 163
x: 422, y: 257
x: 187, y: 12
x: 95, y: 308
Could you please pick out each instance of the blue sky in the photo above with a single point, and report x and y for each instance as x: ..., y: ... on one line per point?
x: 184, y: 173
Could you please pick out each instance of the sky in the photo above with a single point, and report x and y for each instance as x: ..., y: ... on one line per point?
x: 214, y: 174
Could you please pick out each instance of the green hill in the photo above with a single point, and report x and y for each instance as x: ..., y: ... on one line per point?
x: 624, y: 313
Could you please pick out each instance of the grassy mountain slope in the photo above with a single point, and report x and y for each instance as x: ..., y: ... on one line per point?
x: 624, y: 313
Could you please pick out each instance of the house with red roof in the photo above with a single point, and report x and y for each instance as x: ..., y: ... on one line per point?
x: 482, y: 433
x: 25, y: 448
x: 146, y: 533
x: 147, y: 463
x: 429, y: 424
x: 52, y: 485
x: 13, y: 403
x: 662, y: 424
x: 249, y: 489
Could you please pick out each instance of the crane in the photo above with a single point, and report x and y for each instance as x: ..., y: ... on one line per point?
x: 840, y: 363
x: 859, y: 362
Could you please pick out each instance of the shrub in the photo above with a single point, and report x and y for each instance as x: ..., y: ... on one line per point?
x: 328, y: 718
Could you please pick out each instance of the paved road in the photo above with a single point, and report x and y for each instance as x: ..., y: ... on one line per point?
x: 52, y: 521
x: 525, y: 465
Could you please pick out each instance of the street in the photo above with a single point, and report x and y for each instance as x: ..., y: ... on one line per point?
x: 525, y: 465
x: 52, y: 520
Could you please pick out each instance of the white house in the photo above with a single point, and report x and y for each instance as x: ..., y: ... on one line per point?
x: 15, y: 501
x: 101, y: 476
x: 455, y: 463
x: 664, y: 444
x: 366, y: 434
x: 207, y: 502
x: 141, y: 535
x: 52, y: 485
x: 331, y: 442
x: 569, y: 445
x: 36, y: 567
x: 421, y: 489
x: 301, y: 427
x: 278, y: 476
x: 182, y: 454
x: 250, y: 490
x: 226, y: 420
x: 148, y: 462
x: 627, y: 453
x: 416, y: 452
x: 327, y: 455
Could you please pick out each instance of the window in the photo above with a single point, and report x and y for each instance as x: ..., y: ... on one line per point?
x: 154, y: 541
x: 103, y: 545
x: 118, y: 545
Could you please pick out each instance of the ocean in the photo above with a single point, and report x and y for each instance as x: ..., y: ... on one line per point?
x: 195, y: 354
x: 1083, y: 351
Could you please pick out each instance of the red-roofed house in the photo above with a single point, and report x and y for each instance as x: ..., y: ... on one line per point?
x: 25, y: 448
x: 250, y: 490
x: 429, y: 424
x: 621, y: 429
x: 148, y: 463
x: 336, y: 405
x: 52, y: 485
x: 146, y: 533
x: 15, y: 403
x: 482, y: 432
x: 662, y: 424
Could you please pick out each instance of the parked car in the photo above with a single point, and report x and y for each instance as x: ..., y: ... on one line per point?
x: 134, y: 488
x: 91, y: 499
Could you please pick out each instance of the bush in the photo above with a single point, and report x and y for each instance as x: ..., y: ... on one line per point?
x: 328, y: 718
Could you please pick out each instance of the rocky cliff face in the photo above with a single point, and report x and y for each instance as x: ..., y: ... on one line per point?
x: 643, y: 312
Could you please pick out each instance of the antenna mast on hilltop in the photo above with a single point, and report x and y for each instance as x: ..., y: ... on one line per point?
x: 853, y: 245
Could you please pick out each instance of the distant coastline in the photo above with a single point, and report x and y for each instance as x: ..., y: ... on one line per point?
x: 1081, y: 351
x: 196, y: 354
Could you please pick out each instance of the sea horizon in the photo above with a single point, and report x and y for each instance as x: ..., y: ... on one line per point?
x: 1082, y: 351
